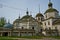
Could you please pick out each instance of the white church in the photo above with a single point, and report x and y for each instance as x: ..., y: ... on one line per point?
x: 43, y: 25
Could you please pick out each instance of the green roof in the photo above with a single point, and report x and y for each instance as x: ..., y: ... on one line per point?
x: 39, y: 14
x: 24, y: 19
x: 16, y: 21
x: 51, y: 10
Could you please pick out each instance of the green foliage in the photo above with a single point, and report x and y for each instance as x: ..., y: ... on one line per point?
x: 2, y: 21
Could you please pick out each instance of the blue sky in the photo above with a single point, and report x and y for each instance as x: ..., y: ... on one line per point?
x: 12, y: 8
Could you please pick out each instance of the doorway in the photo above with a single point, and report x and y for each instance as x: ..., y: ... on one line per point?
x: 5, y: 34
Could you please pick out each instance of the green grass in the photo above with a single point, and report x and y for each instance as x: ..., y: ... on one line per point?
x: 29, y: 37
x: 8, y: 39
x: 32, y: 37
x: 56, y: 37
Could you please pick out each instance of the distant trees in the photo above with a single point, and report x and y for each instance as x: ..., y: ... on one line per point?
x: 2, y: 21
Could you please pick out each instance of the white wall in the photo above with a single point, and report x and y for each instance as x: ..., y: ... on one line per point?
x: 27, y: 25
x: 46, y: 21
x: 51, y: 14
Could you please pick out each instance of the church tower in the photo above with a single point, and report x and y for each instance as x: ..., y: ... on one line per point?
x: 39, y: 16
x: 51, y: 12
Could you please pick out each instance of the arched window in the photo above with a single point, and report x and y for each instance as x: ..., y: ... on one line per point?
x: 45, y: 23
x: 38, y: 18
x: 48, y: 23
x: 41, y: 30
x: 32, y: 27
x: 22, y: 27
x: 46, y: 16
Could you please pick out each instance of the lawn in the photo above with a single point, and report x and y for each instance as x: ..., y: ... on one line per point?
x: 7, y: 38
x: 29, y: 37
x: 32, y: 37
x: 14, y: 38
x: 56, y: 37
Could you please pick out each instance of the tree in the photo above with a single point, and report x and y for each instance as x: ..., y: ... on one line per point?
x: 2, y: 21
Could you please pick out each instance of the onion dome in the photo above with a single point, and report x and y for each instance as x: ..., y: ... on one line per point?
x: 50, y: 4
x: 26, y: 18
x: 17, y: 20
x: 27, y: 11
x: 8, y: 25
x: 51, y: 10
x: 39, y: 14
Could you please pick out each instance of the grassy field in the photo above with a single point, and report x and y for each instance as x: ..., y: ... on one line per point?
x: 56, y: 37
x: 29, y: 37
x: 7, y: 38
x: 32, y: 37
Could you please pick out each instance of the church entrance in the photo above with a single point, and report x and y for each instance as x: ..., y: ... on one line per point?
x: 5, y: 34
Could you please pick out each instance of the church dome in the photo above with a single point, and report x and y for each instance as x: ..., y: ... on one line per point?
x: 50, y: 4
x: 16, y: 21
x: 39, y: 14
x: 8, y: 25
x: 26, y: 17
x: 50, y: 10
